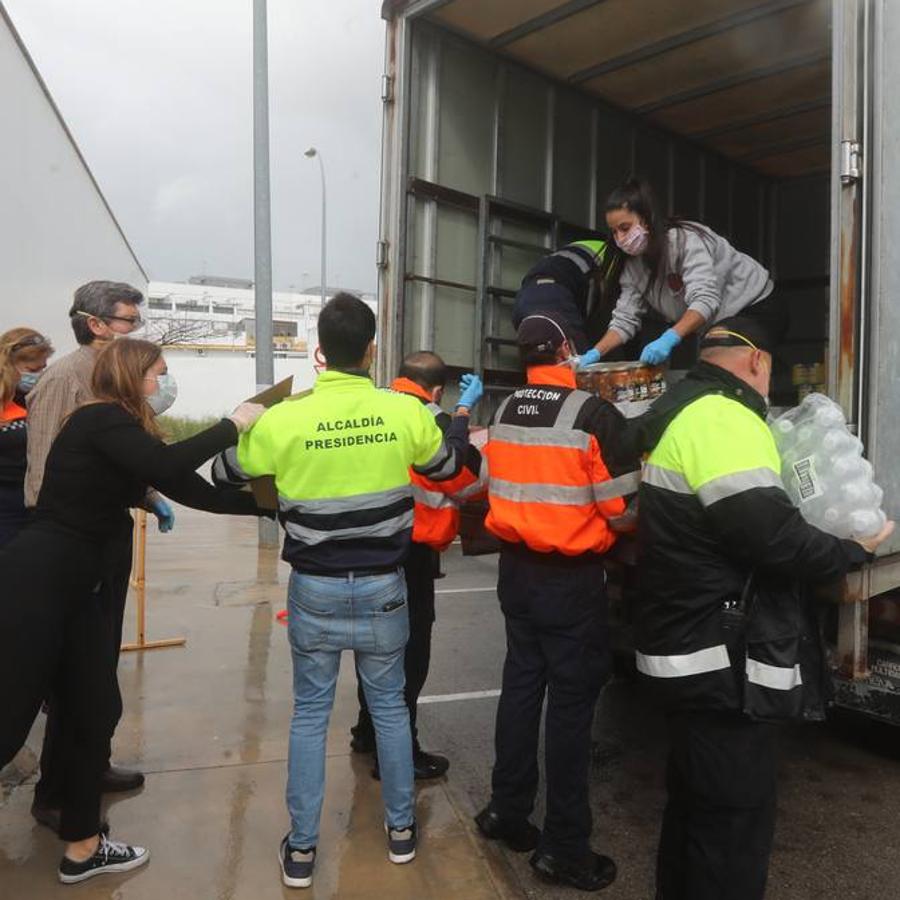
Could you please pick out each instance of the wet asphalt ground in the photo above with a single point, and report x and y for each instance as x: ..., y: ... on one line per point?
x: 838, y: 830
x: 208, y: 723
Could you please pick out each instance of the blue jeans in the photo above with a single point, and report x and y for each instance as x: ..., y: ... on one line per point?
x: 326, y: 616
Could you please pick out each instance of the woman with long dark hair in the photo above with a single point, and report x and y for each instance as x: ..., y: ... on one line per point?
x: 684, y: 271
x: 56, y: 633
x: 23, y: 357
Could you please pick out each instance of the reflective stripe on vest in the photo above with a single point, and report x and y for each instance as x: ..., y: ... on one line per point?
x: 582, y: 254
x: 436, y: 509
x: 548, y: 485
x: 778, y: 678
x: 524, y: 436
x: 432, y: 499
x: 583, y: 265
x: 379, y: 514
x: 528, y: 492
x: 710, y: 659
x: 227, y: 470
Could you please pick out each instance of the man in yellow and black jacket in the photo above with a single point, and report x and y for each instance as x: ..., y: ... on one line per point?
x: 341, y: 459
x: 723, y: 624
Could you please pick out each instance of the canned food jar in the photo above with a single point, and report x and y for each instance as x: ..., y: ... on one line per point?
x: 622, y: 382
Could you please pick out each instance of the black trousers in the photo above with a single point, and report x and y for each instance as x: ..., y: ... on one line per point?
x: 719, y: 820
x: 13, y: 515
x: 557, y: 643
x: 420, y: 569
x: 58, y: 748
x: 56, y: 638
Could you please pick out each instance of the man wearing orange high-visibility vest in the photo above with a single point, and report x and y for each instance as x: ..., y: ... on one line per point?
x: 555, y: 482
x: 423, y: 375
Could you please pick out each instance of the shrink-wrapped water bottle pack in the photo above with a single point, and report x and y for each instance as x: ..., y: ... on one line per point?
x: 824, y: 471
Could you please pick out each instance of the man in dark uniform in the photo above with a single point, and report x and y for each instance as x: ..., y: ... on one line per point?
x: 725, y: 633
x: 556, y: 487
x: 563, y: 283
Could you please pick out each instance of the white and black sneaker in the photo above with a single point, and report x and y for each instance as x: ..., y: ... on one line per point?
x: 110, y: 857
x: 401, y: 844
x: 296, y: 865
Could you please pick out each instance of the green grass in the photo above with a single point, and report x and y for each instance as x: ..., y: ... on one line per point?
x: 177, y: 428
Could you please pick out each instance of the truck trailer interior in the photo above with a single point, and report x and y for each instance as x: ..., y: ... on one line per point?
x: 518, y: 118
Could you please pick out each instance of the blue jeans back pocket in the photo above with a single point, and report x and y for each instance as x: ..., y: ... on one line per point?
x: 312, y: 621
x: 390, y: 624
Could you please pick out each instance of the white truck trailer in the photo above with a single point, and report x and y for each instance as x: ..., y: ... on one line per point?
x: 507, y: 122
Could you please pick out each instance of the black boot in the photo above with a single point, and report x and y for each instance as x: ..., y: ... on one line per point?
x: 519, y: 835
x: 594, y: 874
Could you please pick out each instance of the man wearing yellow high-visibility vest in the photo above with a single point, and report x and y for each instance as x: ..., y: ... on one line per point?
x: 564, y: 282
x: 341, y: 459
x: 725, y: 628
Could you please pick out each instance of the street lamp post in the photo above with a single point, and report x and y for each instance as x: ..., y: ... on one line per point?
x: 312, y: 152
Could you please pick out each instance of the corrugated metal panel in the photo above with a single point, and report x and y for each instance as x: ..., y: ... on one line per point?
x: 688, y: 67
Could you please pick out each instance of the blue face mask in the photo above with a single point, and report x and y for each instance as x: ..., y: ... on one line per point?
x: 27, y: 380
x: 164, y: 395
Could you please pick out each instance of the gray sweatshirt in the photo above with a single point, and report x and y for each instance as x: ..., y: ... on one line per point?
x: 716, y: 281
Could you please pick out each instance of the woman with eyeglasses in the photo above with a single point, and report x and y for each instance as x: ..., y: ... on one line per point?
x: 57, y: 640
x: 23, y: 357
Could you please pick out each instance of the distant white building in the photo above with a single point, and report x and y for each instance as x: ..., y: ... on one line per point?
x: 207, y: 326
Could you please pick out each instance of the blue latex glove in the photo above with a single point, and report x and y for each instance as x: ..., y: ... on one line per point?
x: 588, y: 359
x: 471, y: 391
x: 660, y: 350
x: 165, y: 515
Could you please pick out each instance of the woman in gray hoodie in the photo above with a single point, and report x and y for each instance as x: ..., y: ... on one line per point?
x: 684, y: 271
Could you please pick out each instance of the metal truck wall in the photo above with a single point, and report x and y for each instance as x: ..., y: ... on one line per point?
x: 881, y: 324
x: 481, y: 126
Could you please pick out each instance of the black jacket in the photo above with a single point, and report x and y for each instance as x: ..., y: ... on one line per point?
x: 713, y: 513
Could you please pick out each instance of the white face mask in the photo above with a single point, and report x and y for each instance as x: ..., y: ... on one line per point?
x: 164, y: 395
x: 635, y: 240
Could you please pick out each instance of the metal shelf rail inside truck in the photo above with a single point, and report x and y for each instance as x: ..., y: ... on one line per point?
x: 507, y: 123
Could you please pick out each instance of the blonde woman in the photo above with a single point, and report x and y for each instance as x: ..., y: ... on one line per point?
x: 102, y: 462
x: 23, y: 356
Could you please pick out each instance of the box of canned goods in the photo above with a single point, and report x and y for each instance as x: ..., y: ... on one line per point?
x: 623, y: 382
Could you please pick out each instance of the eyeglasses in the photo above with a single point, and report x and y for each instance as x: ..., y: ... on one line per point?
x: 133, y: 321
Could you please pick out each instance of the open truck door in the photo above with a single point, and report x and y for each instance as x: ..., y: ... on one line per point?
x: 775, y: 122
x: 864, y: 347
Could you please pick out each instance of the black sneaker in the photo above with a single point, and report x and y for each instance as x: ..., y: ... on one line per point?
x: 296, y: 864
x: 110, y: 857
x: 519, y: 835
x: 402, y: 844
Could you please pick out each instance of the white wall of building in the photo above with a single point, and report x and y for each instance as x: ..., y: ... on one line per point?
x: 215, y: 367
x: 56, y: 230
x: 216, y: 382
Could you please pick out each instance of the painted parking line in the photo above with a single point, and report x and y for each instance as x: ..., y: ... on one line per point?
x: 471, y: 590
x: 452, y: 698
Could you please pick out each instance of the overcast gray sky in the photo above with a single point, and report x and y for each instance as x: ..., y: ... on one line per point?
x: 158, y: 96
